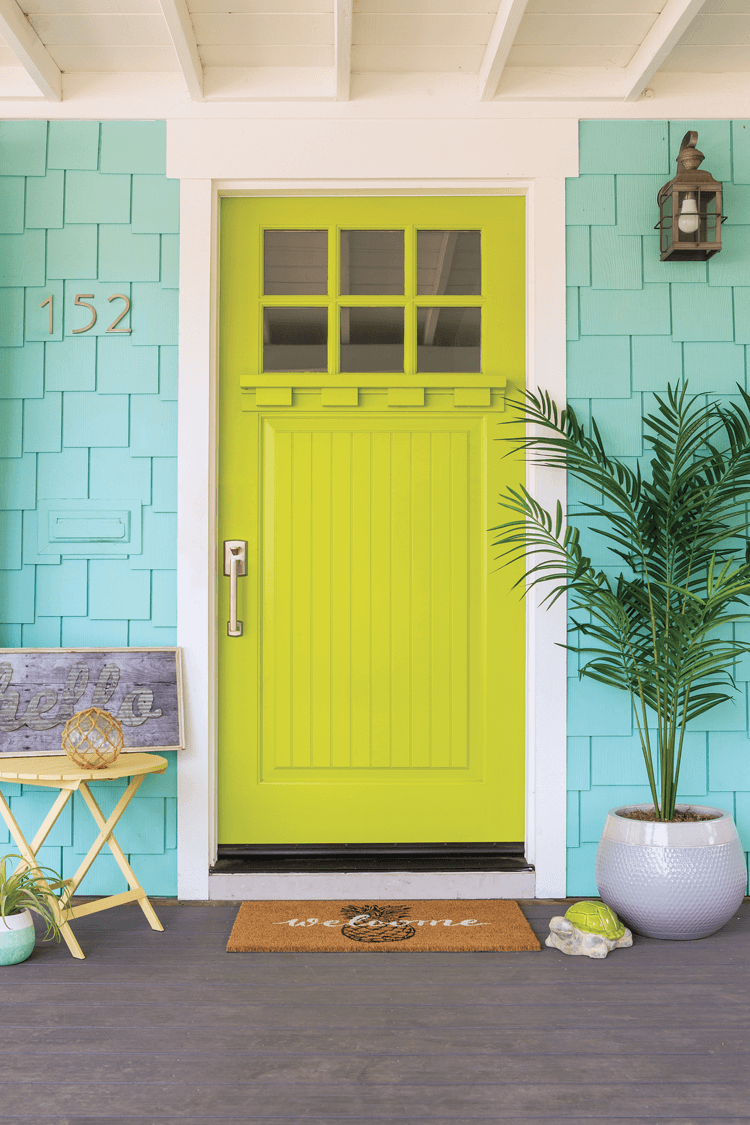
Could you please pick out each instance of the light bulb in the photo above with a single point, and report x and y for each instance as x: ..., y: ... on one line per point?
x: 689, y: 219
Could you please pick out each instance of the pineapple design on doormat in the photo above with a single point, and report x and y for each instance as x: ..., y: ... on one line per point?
x: 377, y: 923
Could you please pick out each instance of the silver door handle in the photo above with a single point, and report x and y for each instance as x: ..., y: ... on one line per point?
x: 235, y: 566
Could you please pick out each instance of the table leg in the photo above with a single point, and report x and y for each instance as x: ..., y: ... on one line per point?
x: 106, y: 830
x: 29, y: 860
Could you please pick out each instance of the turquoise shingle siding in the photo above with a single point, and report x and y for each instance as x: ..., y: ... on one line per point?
x: 635, y: 324
x: 87, y: 208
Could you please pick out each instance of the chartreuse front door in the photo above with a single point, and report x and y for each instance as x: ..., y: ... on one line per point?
x: 374, y: 692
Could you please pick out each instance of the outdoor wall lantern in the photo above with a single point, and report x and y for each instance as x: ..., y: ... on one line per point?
x: 690, y: 215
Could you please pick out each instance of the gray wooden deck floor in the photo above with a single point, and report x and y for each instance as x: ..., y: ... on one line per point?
x: 168, y: 1027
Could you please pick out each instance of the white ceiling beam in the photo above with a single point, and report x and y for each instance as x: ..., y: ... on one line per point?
x: 502, y: 38
x: 30, y: 51
x: 342, y: 47
x: 668, y: 29
x: 181, y: 30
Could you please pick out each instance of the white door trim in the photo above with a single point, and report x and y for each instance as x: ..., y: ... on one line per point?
x: 197, y: 551
x: 196, y: 535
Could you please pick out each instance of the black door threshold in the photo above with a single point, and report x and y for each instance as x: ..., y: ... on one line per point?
x: 236, y: 859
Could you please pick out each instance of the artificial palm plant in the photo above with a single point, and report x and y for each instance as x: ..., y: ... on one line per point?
x: 661, y: 628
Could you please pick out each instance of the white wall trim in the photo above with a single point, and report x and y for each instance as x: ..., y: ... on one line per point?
x: 390, y: 151
x: 197, y: 546
x: 552, y: 94
x: 196, y: 535
x: 546, y: 664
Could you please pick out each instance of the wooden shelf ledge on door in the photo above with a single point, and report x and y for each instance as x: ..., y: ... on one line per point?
x: 314, y: 380
x: 491, y: 395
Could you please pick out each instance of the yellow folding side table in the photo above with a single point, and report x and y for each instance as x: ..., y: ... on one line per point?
x: 59, y: 772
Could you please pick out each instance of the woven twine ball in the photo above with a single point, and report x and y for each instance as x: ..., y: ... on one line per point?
x: 92, y: 739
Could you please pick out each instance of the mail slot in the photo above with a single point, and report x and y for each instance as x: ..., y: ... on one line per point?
x: 89, y: 528
x: 72, y: 529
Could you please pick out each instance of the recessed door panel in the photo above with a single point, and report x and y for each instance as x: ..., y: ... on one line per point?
x: 373, y: 646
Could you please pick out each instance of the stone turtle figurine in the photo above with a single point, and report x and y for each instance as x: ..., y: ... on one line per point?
x: 589, y: 929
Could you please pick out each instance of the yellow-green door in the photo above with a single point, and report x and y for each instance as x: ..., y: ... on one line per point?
x: 367, y: 347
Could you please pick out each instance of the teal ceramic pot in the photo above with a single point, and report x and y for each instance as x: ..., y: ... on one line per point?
x: 16, y: 938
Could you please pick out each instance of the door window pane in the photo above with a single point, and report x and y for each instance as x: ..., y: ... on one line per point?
x: 372, y: 340
x: 295, y: 262
x: 372, y: 262
x: 295, y: 339
x: 449, y: 262
x: 449, y: 339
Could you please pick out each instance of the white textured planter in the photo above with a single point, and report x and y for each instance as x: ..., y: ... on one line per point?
x: 16, y: 938
x: 678, y: 881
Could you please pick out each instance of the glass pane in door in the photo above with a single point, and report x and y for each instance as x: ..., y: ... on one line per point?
x: 372, y: 339
x: 449, y: 262
x: 449, y: 339
x: 372, y: 263
x: 295, y: 339
x: 295, y: 262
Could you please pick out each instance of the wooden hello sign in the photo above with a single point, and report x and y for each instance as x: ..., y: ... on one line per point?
x: 41, y: 688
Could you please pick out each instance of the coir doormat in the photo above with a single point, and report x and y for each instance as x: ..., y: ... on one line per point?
x: 343, y: 926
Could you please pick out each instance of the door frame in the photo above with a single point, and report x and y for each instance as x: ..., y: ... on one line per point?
x: 197, y: 544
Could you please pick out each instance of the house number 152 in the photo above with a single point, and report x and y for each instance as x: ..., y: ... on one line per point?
x: 83, y: 299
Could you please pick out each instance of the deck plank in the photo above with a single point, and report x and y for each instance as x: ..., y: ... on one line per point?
x: 249, y: 1068
x: 332, y: 1101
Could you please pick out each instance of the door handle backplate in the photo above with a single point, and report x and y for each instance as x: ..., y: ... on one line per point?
x: 235, y: 566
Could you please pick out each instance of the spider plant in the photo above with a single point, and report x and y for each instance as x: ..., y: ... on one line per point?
x: 32, y: 889
x: 660, y: 627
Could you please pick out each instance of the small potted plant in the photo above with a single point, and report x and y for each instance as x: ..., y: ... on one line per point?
x: 23, y: 893
x: 659, y: 628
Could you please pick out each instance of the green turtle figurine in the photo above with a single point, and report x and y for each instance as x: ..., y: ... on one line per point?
x: 589, y: 929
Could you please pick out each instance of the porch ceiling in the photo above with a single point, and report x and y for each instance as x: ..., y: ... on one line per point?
x: 236, y: 50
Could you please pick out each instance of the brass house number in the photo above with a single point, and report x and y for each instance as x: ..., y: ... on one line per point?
x: 83, y: 300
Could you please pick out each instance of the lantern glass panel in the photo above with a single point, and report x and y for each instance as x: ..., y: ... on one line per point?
x: 665, y: 230
x: 708, y: 206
